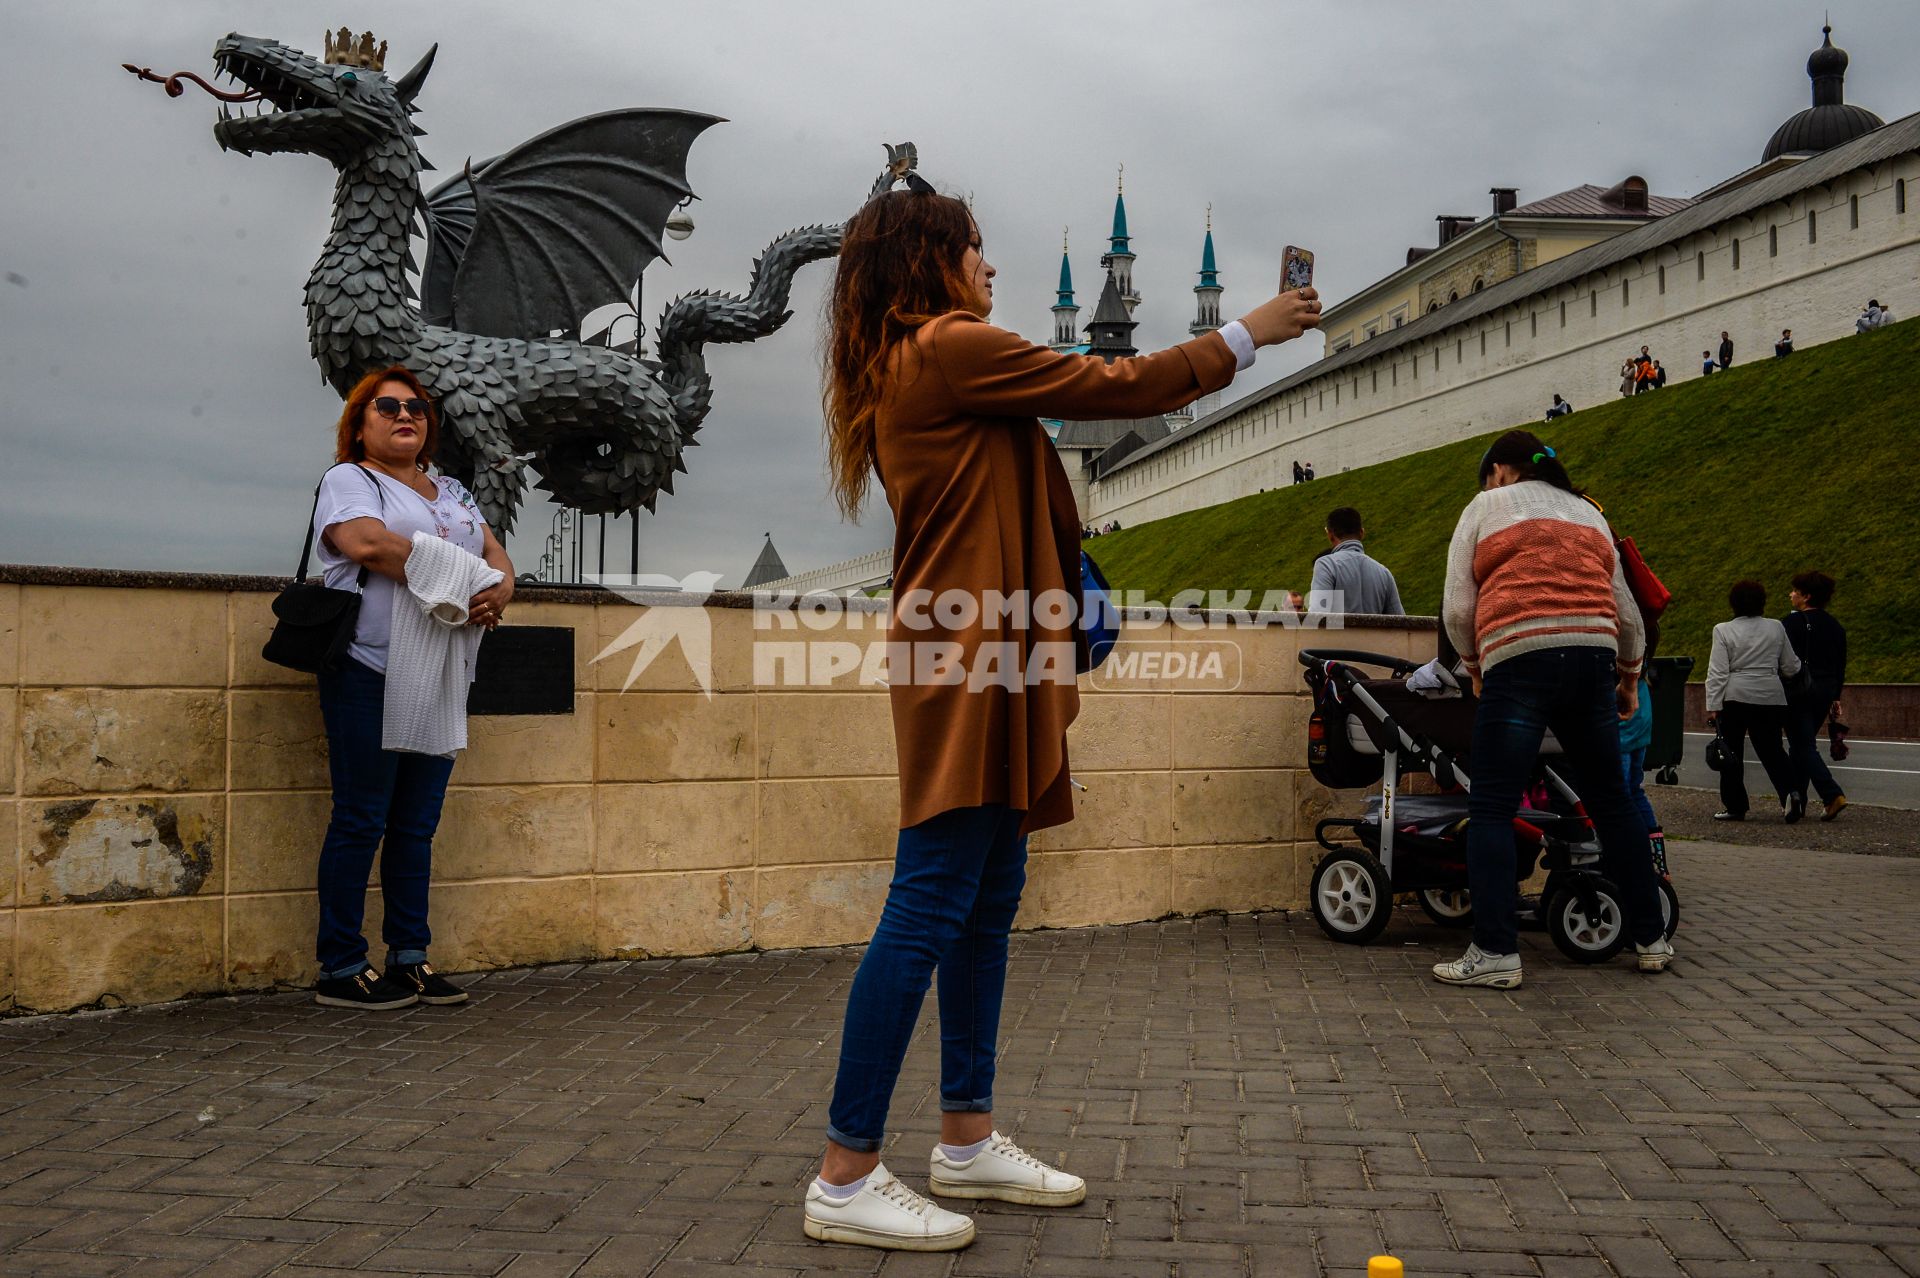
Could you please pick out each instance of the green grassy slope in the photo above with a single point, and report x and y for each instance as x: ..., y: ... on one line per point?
x: 1772, y: 468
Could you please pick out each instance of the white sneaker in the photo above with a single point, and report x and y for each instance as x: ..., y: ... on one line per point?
x: 1477, y: 967
x: 1655, y: 957
x: 1007, y: 1172
x: 885, y: 1213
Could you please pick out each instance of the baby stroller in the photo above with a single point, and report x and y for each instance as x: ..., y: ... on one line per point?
x: 1366, y: 730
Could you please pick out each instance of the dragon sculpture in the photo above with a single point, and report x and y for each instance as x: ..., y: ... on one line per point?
x: 518, y: 249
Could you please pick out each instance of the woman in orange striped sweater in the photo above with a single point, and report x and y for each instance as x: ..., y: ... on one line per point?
x: 1542, y: 616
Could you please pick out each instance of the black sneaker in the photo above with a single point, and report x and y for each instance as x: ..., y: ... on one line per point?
x: 365, y: 989
x: 427, y: 985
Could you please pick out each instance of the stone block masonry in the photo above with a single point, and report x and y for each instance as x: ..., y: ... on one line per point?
x: 164, y: 792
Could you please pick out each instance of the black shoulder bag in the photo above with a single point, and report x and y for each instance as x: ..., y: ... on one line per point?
x: 314, y: 623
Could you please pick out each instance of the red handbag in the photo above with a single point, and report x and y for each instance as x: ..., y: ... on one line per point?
x: 1647, y: 589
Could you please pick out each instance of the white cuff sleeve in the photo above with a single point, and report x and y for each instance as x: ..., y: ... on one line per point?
x: 1240, y: 342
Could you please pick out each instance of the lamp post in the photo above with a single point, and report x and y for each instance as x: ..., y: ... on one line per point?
x: 678, y: 227
x: 562, y: 520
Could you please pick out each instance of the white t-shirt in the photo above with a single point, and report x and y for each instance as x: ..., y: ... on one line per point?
x: 349, y: 492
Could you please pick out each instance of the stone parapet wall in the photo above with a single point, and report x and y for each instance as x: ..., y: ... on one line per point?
x: 1875, y: 711
x: 165, y: 794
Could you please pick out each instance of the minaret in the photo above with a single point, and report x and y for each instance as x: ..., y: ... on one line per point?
x: 1110, y: 335
x: 1207, y: 292
x: 1066, y: 315
x: 1120, y: 253
x: 1206, y: 317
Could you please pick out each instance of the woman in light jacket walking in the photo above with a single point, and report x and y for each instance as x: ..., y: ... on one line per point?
x: 1745, y: 698
x: 941, y: 405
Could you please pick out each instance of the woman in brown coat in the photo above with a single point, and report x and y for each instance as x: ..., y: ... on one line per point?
x: 983, y: 640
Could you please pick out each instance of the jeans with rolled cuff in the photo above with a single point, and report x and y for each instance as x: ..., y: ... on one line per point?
x: 383, y: 800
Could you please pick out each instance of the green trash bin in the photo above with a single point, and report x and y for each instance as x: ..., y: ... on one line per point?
x: 1667, y: 681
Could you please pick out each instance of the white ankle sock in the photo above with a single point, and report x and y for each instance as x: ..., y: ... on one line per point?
x: 839, y: 1193
x: 961, y: 1153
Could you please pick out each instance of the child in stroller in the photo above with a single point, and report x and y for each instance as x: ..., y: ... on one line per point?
x: 1365, y: 730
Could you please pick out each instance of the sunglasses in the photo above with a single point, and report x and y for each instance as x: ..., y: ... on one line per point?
x: 389, y: 407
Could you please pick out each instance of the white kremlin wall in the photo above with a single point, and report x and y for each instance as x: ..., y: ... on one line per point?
x: 859, y: 573
x: 1502, y: 369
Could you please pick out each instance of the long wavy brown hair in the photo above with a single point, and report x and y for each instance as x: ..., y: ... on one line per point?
x: 900, y: 266
x: 347, y: 445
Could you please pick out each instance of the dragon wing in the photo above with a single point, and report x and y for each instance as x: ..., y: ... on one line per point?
x: 528, y: 243
x: 448, y: 214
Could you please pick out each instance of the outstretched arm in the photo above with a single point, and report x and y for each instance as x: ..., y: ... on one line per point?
x: 995, y: 373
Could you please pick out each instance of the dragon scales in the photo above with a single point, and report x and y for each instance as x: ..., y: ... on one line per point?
x: 518, y: 248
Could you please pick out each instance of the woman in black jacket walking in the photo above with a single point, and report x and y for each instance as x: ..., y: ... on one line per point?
x: 1820, y: 642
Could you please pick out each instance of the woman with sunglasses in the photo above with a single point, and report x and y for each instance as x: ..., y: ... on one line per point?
x: 942, y: 406
x: 1539, y: 609
x: 370, y: 504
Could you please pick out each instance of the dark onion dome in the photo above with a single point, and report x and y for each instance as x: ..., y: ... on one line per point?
x: 1831, y: 120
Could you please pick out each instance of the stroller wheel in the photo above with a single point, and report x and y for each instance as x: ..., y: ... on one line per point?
x: 1669, y: 908
x: 1352, y: 896
x: 1585, y: 919
x: 1449, y: 907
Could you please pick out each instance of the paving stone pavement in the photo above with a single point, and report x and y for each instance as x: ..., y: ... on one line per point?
x: 1245, y: 1098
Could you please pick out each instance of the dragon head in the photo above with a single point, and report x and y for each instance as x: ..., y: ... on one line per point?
x: 336, y: 108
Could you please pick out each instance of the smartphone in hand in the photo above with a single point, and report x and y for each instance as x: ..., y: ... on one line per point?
x: 1296, y: 269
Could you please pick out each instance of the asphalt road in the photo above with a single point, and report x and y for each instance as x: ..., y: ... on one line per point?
x: 1884, y: 773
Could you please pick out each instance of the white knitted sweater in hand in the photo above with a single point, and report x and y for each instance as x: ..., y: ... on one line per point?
x: 431, y: 652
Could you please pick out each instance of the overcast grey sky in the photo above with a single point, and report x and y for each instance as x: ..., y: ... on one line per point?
x: 158, y: 408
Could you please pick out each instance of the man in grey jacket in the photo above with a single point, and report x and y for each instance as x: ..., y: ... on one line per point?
x: 1346, y: 579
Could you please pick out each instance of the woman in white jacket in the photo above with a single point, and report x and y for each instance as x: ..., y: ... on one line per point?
x: 1746, y: 698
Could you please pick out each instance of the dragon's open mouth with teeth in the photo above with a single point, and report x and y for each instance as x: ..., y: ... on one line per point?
x: 275, y: 102
x: 284, y: 100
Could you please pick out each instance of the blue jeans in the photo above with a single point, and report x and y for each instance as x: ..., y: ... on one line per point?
x: 382, y: 799
x: 956, y: 887
x: 1570, y: 691
x: 1633, y: 768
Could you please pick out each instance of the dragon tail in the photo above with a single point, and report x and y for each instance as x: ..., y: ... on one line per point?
x: 692, y: 321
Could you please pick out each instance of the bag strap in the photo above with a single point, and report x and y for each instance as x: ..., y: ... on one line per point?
x: 306, y: 543
x: 306, y: 546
